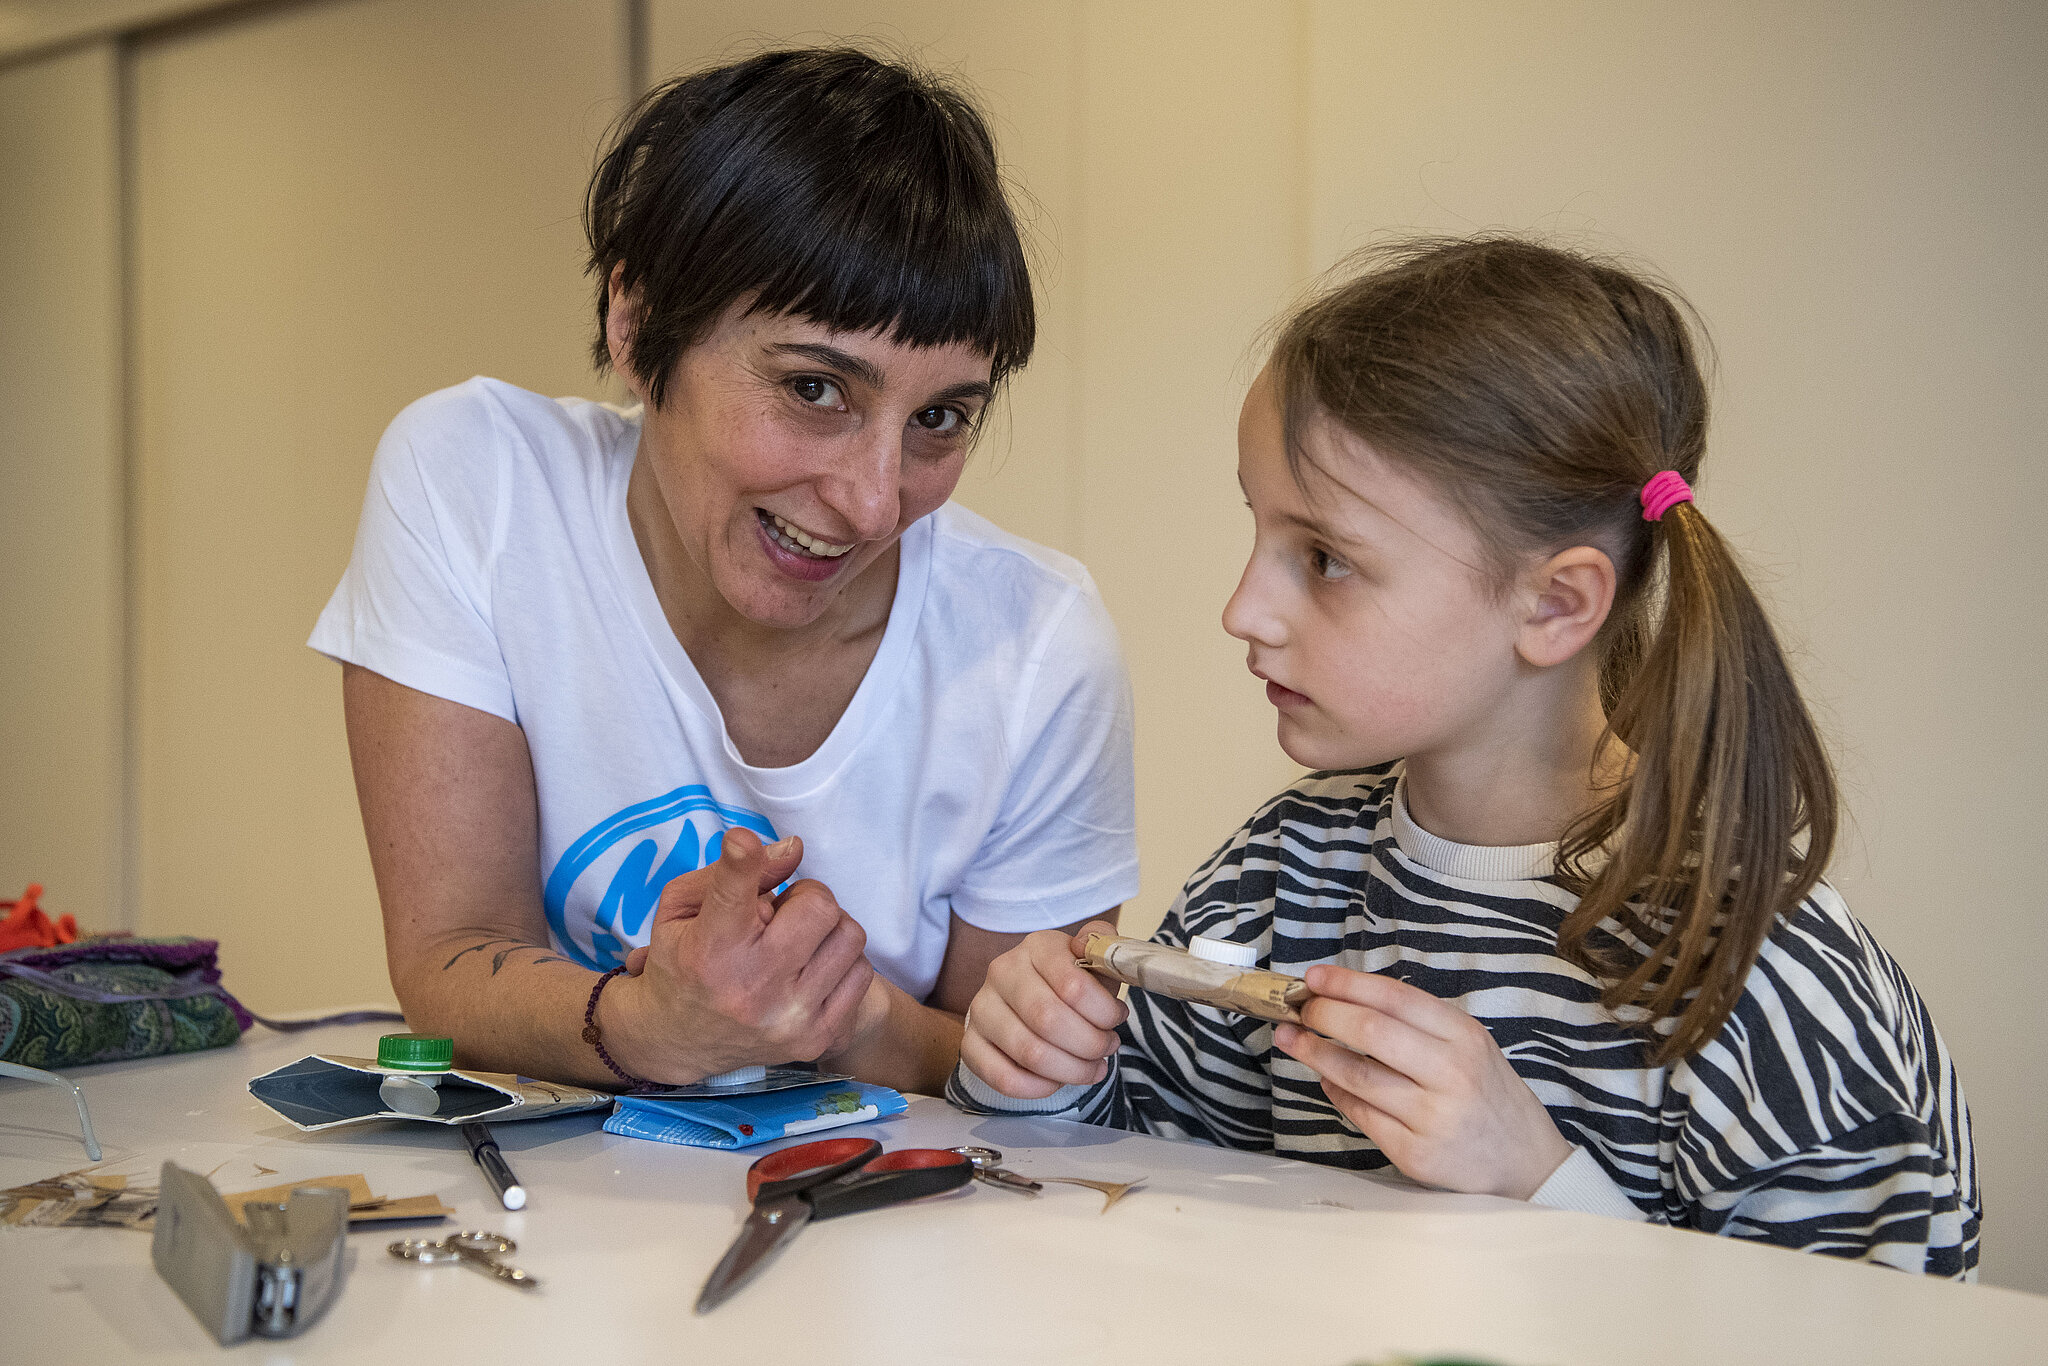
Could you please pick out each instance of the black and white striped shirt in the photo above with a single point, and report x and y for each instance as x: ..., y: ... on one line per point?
x: 1824, y: 1116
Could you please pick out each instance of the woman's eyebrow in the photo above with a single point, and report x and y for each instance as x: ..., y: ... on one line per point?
x: 843, y: 361
x: 974, y: 388
x: 849, y: 364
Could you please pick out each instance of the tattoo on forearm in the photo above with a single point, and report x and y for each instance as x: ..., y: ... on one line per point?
x: 498, y: 959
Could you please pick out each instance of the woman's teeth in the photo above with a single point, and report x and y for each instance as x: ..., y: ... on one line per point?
x: 792, y: 537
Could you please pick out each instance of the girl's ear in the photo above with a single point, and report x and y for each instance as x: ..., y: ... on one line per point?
x: 1567, y: 598
x: 621, y: 315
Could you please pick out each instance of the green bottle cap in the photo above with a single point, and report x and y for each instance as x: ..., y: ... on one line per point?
x: 416, y: 1052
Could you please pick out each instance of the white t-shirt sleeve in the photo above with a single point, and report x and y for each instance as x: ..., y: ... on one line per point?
x: 1064, y: 846
x: 414, y: 603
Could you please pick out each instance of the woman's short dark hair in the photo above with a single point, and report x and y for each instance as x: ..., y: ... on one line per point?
x: 861, y: 194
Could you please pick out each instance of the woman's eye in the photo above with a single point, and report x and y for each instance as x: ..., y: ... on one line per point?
x: 943, y: 421
x: 1327, y: 566
x: 816, y: 391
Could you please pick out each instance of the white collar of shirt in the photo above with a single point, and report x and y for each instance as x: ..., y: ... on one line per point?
x: 1472, y: 862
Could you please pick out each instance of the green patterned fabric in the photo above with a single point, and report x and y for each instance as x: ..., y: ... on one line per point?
x: 42, y: 1024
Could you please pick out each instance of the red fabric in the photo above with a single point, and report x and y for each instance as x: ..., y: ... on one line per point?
x: 26, y: 927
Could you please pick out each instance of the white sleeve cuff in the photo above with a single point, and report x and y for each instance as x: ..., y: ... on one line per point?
x: 1581, y: 1184
x: 986, y: 1097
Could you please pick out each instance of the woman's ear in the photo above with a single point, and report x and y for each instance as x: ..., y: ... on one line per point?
x: 1567, y: 598
x: 621, y: 316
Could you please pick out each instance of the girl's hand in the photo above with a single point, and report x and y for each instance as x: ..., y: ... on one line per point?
x: 1040, y: 1021
x: 1426, y: 1082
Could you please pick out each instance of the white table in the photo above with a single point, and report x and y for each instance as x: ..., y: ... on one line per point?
x: 1221, y: 1256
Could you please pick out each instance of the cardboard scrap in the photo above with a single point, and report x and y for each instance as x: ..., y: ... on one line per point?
x: 88, y: 1199
x: 1112, y: 1191
x: 78, y: 1199
x: 363, y: 1207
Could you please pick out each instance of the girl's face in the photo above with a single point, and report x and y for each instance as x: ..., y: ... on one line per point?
x: 1365, y: 603
x: 791, y: 457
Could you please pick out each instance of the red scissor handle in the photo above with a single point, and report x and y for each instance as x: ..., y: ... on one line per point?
x: 892, y: 1178
x: 847, y: 1175
x: 913, y: 1159
x: 806, y: 1165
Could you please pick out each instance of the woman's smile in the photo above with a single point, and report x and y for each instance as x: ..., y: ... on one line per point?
x: 796, y: 552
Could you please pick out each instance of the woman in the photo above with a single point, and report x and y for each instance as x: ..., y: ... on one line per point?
x: 612, y: 679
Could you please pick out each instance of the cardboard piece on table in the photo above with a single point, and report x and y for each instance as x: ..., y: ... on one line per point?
x: 89, y: 1199
x: 78, y: 1199
x: 363, y: 1207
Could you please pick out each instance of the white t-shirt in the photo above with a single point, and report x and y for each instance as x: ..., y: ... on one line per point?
x: 983, y: 768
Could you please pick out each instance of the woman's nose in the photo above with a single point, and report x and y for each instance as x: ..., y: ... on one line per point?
x: 866, y: 487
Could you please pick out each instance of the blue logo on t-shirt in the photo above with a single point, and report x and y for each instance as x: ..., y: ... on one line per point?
x: 636, y: 881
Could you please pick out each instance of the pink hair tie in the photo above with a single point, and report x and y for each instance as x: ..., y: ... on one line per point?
x: 1665, y: 491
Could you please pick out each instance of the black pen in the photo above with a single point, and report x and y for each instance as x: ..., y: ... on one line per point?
x: 484, y: 1149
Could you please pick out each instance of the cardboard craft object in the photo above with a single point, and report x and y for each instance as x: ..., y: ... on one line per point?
x: 363, y: 1207
x: 324, y: 1090
x: 1173, y: 972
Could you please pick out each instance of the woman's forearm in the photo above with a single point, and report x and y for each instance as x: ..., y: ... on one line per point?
x: 509, y: 1004
x: 901, y: 1043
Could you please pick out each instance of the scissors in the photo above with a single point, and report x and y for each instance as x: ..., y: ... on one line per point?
x: 473, y: 1249
x: 824, y: 1180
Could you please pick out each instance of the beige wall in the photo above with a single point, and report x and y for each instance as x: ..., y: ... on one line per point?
x: 339, y: 208
x: 61, y: 487
x: 342, y: 205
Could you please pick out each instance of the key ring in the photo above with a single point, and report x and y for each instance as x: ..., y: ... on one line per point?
x: 980, y: 1157
x: 472, y: 1247
x: 454, y: 1248
x: 989, y: 1169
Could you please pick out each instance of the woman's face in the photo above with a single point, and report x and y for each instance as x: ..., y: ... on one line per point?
x: 791, y: 457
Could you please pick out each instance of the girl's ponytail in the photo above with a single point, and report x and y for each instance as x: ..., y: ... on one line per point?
x: 1699, y: 850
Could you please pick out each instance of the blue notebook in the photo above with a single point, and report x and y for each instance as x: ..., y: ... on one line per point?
x: 743, y: 1121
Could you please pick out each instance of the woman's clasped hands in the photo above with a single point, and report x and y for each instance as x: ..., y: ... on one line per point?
x: 734, y: 973
x: 1417, y: 1075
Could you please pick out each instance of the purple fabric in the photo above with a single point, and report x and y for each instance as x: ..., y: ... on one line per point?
x: 192, y: 960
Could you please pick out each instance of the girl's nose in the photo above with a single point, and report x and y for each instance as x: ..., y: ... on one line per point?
x: 1249, y: 614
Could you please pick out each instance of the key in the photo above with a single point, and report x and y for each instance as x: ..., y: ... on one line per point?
x: 988, y: 1169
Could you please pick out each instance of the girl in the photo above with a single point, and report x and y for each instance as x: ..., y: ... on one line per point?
x: 1557, y: 886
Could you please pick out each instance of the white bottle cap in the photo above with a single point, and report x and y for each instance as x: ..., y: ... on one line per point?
x: 1225, y: 951
x: 739, y: 1076
x: 410, y: 1095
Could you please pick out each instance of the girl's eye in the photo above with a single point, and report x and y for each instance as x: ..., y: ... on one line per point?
x: 1327, y: 566
x: 816, y: 391
x: 942, y: 421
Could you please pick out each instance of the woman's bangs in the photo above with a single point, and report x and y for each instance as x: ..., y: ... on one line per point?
x: 930, y: 284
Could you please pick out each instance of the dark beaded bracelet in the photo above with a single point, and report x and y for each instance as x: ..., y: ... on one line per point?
x: 593, y: 1036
